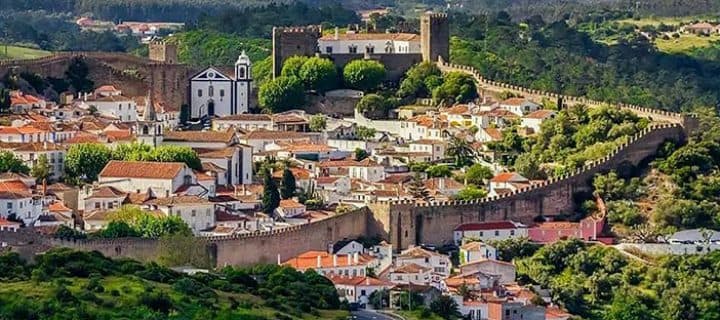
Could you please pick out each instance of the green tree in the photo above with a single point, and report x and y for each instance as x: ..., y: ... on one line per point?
x: 512, y: 248
x: 478, y: 174
x: 5, y: 100
x: 289, y: 185
x: 77, y: 75
x: 10, y: 163
x: 420, y: 81
x: 361, y: 154
x: 85, y: 161
x: 445, y: 307
x: 118, y: 229
x: 471, y: 192
x: 271, y: 195
x: 291, y: 66
x: 373, y: 106
x: 319, y: 74
x: 438, y: 171
x: 282, y: 94
x: 318, y: 123
x: 365, y: 75
x: 460, y: 150
x: 41, y: 170
x: 457, y: 87
x: 416, y: 188
x: 629, y: 305
x: 171, y: 153
x: 365, y: 133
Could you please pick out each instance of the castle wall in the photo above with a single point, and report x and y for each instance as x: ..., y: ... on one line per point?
x: 265, y: 247
x: 396, y: 64
x: 405, y: 224
x: 293, y: 41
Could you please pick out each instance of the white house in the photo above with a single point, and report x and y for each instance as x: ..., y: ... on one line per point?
x: 115, y: 106
x: 290, y: 208
x: 30, y: 154
x: 507, y: 182
x: 163, y: 178
x: 519, y: 106
x: 358, y: 289
x: 436, y: 148
x: 359, y: 43
x: 351, y: 265
x: 214, y: 93
x: 16, y: 200
x: 505, y: 270
x: 494, y: 230
x: 366, y: 169
x: 439, y: 264
x: 535, y: 119
x: 475, y: 251
x: 103, y: 198
x: 197, y: 212
x: 411, y: 273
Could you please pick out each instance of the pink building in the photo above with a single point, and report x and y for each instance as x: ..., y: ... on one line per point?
x: 588, y: 229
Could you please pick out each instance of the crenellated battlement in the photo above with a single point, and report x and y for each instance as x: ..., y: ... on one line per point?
x: 299, y: 29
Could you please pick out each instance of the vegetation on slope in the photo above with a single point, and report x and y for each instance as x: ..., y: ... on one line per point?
x: 66, y: 284
x: 598, y: 282
x: 15, y: 52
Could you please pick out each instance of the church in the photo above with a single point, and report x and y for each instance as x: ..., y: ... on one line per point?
x: 213, y: 93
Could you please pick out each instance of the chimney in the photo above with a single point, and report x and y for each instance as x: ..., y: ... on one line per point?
x: 349, y: 259
x: 356, y: 257
x: 337, y: 33
x: 319, y: 261
x: 278, y: 259
x: 334, y: 260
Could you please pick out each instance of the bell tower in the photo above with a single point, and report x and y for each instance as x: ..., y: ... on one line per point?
x: 148, y: 129
x: 243, y: 80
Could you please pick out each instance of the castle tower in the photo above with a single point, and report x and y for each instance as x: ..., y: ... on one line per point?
x: 148, y: 129
x: 435, y: 36
x: 293, y: 41
x: 243, y: 79
x: 163, y: 51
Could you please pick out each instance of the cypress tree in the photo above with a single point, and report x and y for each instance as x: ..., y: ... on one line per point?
x: 289, y: 185
x: 271, y: 196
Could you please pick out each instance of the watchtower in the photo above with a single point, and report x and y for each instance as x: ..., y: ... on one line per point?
x: 435, y: 36
x: 293, y: 41
x: 163, y: 51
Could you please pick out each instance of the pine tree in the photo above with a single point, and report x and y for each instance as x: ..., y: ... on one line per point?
x: 417, y: 188
x: 271, y: 195
x: 289, y: 185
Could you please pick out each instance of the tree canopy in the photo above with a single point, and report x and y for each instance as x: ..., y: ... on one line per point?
x: 365, y: 75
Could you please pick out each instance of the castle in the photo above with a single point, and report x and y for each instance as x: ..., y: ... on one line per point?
x: 397, y: 51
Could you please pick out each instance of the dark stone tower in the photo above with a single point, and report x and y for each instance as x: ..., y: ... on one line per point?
x: 293, y: 41
x: 435, y: 36
x: 163, y: 51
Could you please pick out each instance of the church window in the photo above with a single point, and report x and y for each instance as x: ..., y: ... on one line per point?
x: 388, y: 47
x: 328, y: 49
x: 199, y: 92
x: 211, y: 91
x: 222, y: 93
x: 352, y: 49
x: 241, y: 73
x: 145, y: 130
x: 370, y: 49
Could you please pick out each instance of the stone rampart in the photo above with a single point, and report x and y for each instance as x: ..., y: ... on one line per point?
x: 406, y: 223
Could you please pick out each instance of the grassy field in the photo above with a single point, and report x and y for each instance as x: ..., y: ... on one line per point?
x: 15, y: 52
x: 685, y: 43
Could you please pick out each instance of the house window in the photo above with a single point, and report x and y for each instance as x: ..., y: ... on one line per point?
x: 352, y: 49
x: 120, y: 107
x: 222, y: 93
x: 362, y: 293
x: 328, y: 49
x: 9, y: 205
x: 497, y: 233
x: 512, y: 232
x: 481, y: 233
x: 370, y: 49
x: 199, y: 92
x: 192, y: 213
x: 211, y: 91
x: 241, y: 73
x: 207, y: 212
x: 97, y: 205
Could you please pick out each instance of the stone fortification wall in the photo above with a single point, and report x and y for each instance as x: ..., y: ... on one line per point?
x: 405, y: 223
x: 395, y: 64
x: 135, y: 75
x: 265, y: 247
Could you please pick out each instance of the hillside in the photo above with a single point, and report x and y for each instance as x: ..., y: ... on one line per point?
x: 64, y: 284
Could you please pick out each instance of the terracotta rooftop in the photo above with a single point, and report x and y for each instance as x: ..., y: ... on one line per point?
x: 411, y: 268
x: 513, y: 101
x: 177, y: 201
x: 262, y: 134
x: 540, y: 114
x: 309, y: 260
x: 493, y: 225
x: 359, y: 281
x: 200, y: 136
x: 291, y: 204
x: 246, y: 117
x: 299, y: 173
x: 509, y: 177
x: 142, y: 169
x: 348, y: 163
x: 107, y: 192
x: 371, y: 36
x: 228, y: 152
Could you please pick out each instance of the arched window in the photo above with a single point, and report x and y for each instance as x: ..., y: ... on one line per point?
x: 241, y: 73
x: 211, y: 91
x: 145, y: 130
x: 389, y: 47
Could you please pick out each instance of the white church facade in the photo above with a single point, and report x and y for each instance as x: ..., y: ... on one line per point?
x: 213, y: 93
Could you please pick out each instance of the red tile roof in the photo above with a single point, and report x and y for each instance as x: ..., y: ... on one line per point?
x: 540, y: 114
x: 359, y: 281
x: 200, y: 136
x: 494, y: 225
x: 309, y: 260
x: 372, y: 36
x: 509, y: 177
x: 142, y: 169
